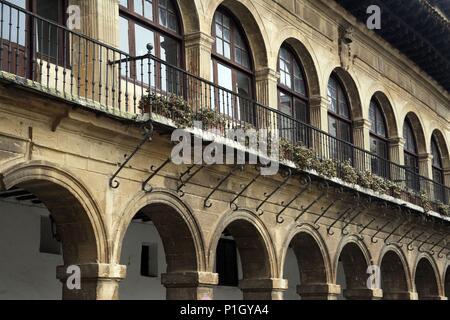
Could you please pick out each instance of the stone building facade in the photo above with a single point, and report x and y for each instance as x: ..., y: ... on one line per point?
x: 69, y: 121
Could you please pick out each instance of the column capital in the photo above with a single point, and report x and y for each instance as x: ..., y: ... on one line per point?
x: 267, y: 73
x: 400, y: 141
x: 263, y: 289
x: 325, y: 291
x: 319, y: 101
x: 94, y: 271
x: 361, y: 123
x: 198, y: 38
x: 99, y: 281
x: 363, y: 294
x: 401, y: 295
x: 189, y: 279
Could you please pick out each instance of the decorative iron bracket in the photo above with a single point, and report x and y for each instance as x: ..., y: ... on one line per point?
x: 410, y: 244
x: 190, y: 177
x: 207, y: 203
x: 148, y: 132
x: 425, y: 242
x: 145, y: 185
x: 304, y: 209
x: 437, y: 244
x: 344, y: 228
x: 364, y: 227
x: 268, y: 196
x: 233, y: 204
x: 402, y: 223
x: 379, y: 230
x: 444, y: 247
x: 324, y: 212
x: 346, y: 212
x: 306, y: 184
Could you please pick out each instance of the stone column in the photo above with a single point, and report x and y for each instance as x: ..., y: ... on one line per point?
x: 267, y: 87
x: 400, y: 295
x: 263, y: 289
x: 361, y: 139
x: 425, y: 165
x: 363, y: 294
x: 325, y: 291
x: 396, y: 155
x: 190, y: 285
x: 318, y: 107
x: 90, y: 70
x: 98, y: 281
x: 198, y: 48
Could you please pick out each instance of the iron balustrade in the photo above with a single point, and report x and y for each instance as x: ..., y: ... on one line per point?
x: 56, y: 59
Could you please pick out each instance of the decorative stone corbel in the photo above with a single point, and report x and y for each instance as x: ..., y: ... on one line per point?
x: 345, y: 47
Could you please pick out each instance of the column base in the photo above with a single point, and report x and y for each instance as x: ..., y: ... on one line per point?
x: 401, y: 295
x: 430, y: 297
x: 190, y: 285
x: 319, y: 291
x: 363, y: 294
x: 98, y: 281
x: 263, y: 289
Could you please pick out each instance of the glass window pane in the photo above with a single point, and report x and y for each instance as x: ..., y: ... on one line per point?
x: 170, y: 53
x: 138, y: 8
x: 17, y: 20
x: 124, y: 3
x: 124, y: 40
x: 148, y: 9
x: 143, y: 37
x: 225, y: 79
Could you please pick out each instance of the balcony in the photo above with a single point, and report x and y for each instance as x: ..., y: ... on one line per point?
x: 40, y: 55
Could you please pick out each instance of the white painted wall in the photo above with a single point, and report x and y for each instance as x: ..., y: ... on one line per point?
x: 25, y: 273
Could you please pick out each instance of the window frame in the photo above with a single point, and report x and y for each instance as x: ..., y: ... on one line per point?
x: 291, y: 92
x: 338, y: 116
x: 235, y: 68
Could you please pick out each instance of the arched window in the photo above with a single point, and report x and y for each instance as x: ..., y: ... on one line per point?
x: 292, y: 96
x: 232, y: 68
x: 411, y: 157
x: 153, y: 22
x: 379, y: 144
x: 438, y: 171
x: 339, y: 120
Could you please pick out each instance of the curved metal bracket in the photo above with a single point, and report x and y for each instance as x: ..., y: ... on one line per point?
x: 148, y: 132
x: 145, y: 186
x: 233, y: 204
x: 410, y: 244
x: 331, y: 232
x: 191, y: 176
x: 279, y: 218
x: 425, y: 242
x: 372, y: 239
x: 324, y: 211
x: 364, y: 227
x: 207, y: 203
x: 268, y: 196
x: 402, y: 223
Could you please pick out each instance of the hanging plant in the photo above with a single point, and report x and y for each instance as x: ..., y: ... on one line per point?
x: 425, y: 202
x: 349, y: 173
x: 210, y: 119
x: 444, y: 209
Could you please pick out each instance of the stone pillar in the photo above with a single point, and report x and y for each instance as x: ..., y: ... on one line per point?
x: 267, y: 87
x: 190, y: 285
x: 98, y: 281
x: 361, y: 139
x: 361, y: 133
x: 99, y: 20
x: 325, y: 291
x: 363, y: 294
x: 397, y: 155
x: 263, y: 289
x: 90, y: 68
x: 198, y: 48
x: 400, y: 295
x: 318, y: 107
x: 425, y: 165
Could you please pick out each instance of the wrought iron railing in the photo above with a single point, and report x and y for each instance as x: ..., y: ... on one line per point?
x: 54, y: 59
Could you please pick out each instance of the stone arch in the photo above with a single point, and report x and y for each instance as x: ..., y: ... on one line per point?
x: 355, y: 258
x: 253, y: 27
x: 253, y: 241
x: 388, y: 111
x: 313, y: 262
x: 178, y: 228
x: 416, y: 123
x: 443, y: 148
x: 426, y: 278
x: 189, y: 15
x: 395, y: 278
x: 351, y: 89
x: 78, y: 218
x: 305, y: 54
